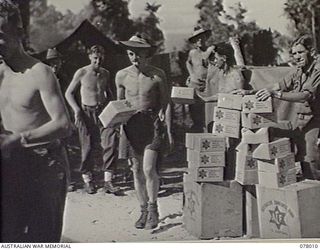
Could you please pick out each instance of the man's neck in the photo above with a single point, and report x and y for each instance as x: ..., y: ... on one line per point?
x: 17, y: 61
x: 201, y: 48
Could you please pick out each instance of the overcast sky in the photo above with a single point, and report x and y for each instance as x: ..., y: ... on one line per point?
x: 180, y: 16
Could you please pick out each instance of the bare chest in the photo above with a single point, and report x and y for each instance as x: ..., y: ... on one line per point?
x: 18, y: 91
x: 141, y: 84
x: 93, y: 82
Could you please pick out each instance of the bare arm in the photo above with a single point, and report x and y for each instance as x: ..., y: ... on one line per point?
x: 71, y: 91
x: 59, y: 126
x: 164, y: 92
x: 120, y: 88
x: 189, y: 64
x: 108, y: 93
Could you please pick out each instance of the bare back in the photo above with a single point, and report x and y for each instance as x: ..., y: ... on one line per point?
x: 144, y: 89
x: 27, y: 98
x: 93, y: 87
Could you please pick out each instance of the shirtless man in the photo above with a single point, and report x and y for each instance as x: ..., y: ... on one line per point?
x: 94, y: 83
x: 197, y: 65
x: 34, y: 117
x: 146, y: 87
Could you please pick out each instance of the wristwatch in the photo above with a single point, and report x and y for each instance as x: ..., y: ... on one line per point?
x: 277, y: 94
x: 23, y: 139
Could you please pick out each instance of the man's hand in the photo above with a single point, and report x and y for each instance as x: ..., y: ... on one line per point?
x: 162, y: 115
x: 77, y: 118
x: 241, y: 92
x: 263, y: 94
x: 171, y: 142
x: 8, y: 143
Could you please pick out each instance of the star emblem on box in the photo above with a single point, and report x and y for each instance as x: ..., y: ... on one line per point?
x: 219, y: 114
x: 204, y: 159
x: 206, y: 144
x: 274, y: 151
x: 219, y: 128
x: 257, y: 120
x: 191, y: 203
x: 282, y: 164
x: 277, y: 217
x: 128, y: 104
x: 249, y: 105
x: 202, y: 174
x: 251, y: 163
x: 282, y: 179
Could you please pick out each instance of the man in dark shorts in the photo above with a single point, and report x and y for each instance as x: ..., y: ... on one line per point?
x: 145, y: 86
x: 34, y: 118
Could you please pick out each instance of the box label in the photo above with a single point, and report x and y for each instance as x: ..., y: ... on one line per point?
x: 228, y: 130
x: 278, y: 216
x: 250, y: 104
x: 226, y: 115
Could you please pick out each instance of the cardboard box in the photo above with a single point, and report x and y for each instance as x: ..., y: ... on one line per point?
x: 258, y: 137
x: 289, y: 212
x: 245, y: 162
x: 267, y: 120
x: 247, y: 177
x: 245, y: 148
x: 251, y: 212
x: 212, y: 209
x: 277, y: 165
x: 205, y: 142
x: 226, y: 116
x: 229, y: 101
x: 117, y: 112
x: 206, y: 159
x: 206, y: 174
x: 272, y: 150
x: 182, y: 95
x: 277, y: 180
x: 226, y: 129
x: 250, y: 104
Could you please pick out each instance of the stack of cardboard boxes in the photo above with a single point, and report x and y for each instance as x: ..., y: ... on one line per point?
x: 206, y: 156
x: 254, y: 131
x: 212, y: 207
x: 226, y: 116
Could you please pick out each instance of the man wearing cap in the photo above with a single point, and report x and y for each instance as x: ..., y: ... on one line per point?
x: 197, y: 66
x: 34, y: 118
x: 145, y: 86
x: 94, y: 83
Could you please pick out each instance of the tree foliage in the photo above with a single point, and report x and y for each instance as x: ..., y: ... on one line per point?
x: 305, y: 17
x: 149, y: 25
x: 224, y: 25
x: 48, y: 26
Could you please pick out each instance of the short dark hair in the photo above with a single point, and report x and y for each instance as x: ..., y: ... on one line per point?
x: 10, y: 11
x: 306, y: 41
x: 96, y: 49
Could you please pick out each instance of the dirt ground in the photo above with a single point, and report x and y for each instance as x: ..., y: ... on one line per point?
x: 101, y: 217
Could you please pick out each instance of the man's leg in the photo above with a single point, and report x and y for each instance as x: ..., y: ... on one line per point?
x: 152, y: 185
x: 311, y: 164
x: 109, y: 155
x: 141, y: 191
x: 87, y: 161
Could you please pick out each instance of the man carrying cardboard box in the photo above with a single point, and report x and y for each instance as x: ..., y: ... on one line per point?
x: 145, y: 86
x: 302, y: 87
x: 95, y: 92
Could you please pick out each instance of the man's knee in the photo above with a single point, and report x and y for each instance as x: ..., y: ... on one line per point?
x: 136, y: 166
x: 150, y: 171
